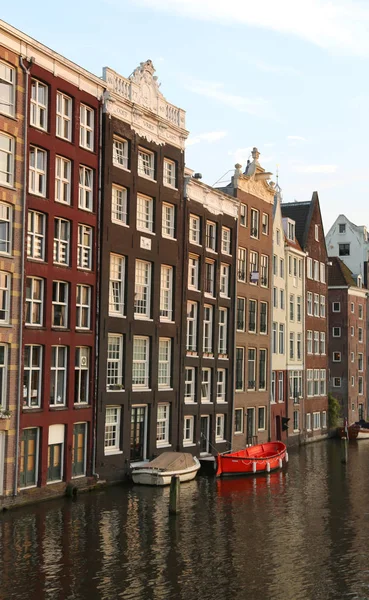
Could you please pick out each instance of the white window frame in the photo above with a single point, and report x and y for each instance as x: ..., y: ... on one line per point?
x: 84, y: 247
x: 6, y: 228
x: 280, y: 387
x: 86, y: 127
x: 262, y: 410
x: 37, y: 178
x: 207, y: 337
x: 114, y: 363
x: 64, y: 109
x: 324, y: 419
x: 60, y: 305
x: 145, y: 213
x: 316, y: 305
x: 36, y: 227
x: 360, y: 334
x: 83, y: 306
x: 310, y: 382
x: 243, y: 214
x: 55, y: 368
x: 337, y: 382
x: 224, y: 280
x: 34, y: 302
x: 223, y: 331
x: 169, y: 173
x: 316, y: 421
x: 240, y: 430
x: 209, y: 280
x: 254, y: 223
x: 322, y: 272
x: 308, y: 421
x: 168, y: 217
x: 61, y: 249
x: 226, y: 241
x: 112, y: 430
x: 188, y: 432
x: 162, y: 425
x: 7, y: 155
x: 5, y: 292
x: 120, y: 153
x: 220, y: 428
x: 32, y: 375
x: 206, y: 385
x: 336, y: 332
x: 165, y: 364
x: 194, y: 229
x: 241, y: 264
x: 143, y: 278
x: 334, y: 309
x: 242, y: 349
x: 63, y: 180
x: 141, y: 365
x: 117, y: 269
x: 7, y: 84
x: 82, y: 369
x: 322, y: 343
x: 309, y: 341
x: 309, y: 268
x: 316, y: 342
x: 146, y: 163
x: 191, y: 335
x: 323, y: 382
x: 221, y: 386
x: 119, y: 205
x: 86, y: 188
x: 38, y: 114
x: 264, y: 270
x: 193, y: 272
x: 190, y: 385
x: 211, y: 240
x: 265, y: 224
x: 322, y: 307
x: 166, y: 293
x: 336, y: 356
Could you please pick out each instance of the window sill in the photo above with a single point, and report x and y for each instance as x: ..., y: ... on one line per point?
x: 115, y: 391
x: 113, y: 452
x: 207, y: 354
x: 168, y: 237
x: 54, y: 481
x: 222, y: 402
x: 62, y: 202
x: 81, y: 405
x: 117, y: 222
x: 209, y: 295
x: 56, y: 408
x: 188, y: 444
x: 141, y: 389
x: 193, y: 289
x: 165, y: 320
x: 83, y: 330
x: 37, y: 195
x: 223, y: 357
x: 32, y: 408
x: 190, y: 402
x: 28, y: 487
x: 170, y: 186
x: 86, y: 148
x: 238, y: 432
x: 165, y: 389
x: 6, y: 325
x: 147, y: 177
x: 142, y: 318
x: 195, y: 243
x: 222, y: 441
x: 206, y: 402
x: 115, y: 315
x: 119, y: 166
x: 88, y: 269
x: 192, y: 353
x: 78, y: 476
x: 212, y: 250
x: 224, y: 296
x: 146, y: 231
x: 163, y: 445
x: 35, y: 260
x: 12, y: 117
x: 60, y: 137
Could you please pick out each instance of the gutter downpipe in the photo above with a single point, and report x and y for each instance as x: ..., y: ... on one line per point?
x: 234, y: 331
x: 97, y: 295
x: 27, y: 73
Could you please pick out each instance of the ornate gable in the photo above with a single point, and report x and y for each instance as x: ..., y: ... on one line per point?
x: 255, y: 180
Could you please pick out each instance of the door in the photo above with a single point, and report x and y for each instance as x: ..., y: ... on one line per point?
x: 205, y: 434
x: 54, y: 463
x: 79, y: 450
x: 138, y: 433
x: 250, y: 425
x: 28, y: 458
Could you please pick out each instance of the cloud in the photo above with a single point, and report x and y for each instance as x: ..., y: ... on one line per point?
x: 241, y: 155
x: 340, y: 26
x: 210, y: 137
x: 215, y: 90
x: 315, y: 168
x: 274, y: 69
x: 297, y: 138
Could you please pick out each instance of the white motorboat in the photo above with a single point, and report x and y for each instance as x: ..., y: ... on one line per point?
x: 161, y: 470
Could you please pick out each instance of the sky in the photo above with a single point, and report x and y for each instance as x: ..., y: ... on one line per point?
x: 290, y: 77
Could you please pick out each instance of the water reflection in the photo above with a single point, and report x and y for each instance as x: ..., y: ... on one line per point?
x: 299, y: 534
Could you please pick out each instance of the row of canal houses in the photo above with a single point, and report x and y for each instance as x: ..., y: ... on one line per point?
x: 141, y: 309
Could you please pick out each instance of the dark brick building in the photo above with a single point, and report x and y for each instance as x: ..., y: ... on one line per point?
x: 141, y: 273
x: 347, y: 308
x: 309, y: 418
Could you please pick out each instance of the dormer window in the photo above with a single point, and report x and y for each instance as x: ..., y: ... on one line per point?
x: 291, y: 231
x: 359, y: 281
x: 342, y: 228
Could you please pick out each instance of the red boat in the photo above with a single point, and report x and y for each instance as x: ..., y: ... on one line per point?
x: 261, y: 458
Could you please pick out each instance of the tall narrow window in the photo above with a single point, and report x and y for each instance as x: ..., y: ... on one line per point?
x: 241, y: 303
x: 86, y: 127
x: 209, y: 278
x: 32, y: 375
x: 254, y: 267
x: 254, y: 232
x: 240, y: 368
x: 226, y: 240
x: 273, y: 386
x: 120, y: 153
x: 264, y: 270
x: 281, y: 338
x: 165, y: 363
x: 36, y: 235
x: 265, y: 224
x: 82, y: 375
x: 140, y: 367
x: 60, y: 304
x: 221, y: 385
x: 280, y: 387
x: 194, y: 229
x: 58, y: 376
x: 116, y: 285
x: 114, y: 368
x: 145, y: 213
x: 5, y: 279
x: 191, y: 343
x: 190, y: 381
x: 7, y: 89
x: 112, y: 429
x: 84, y: 250
x: 119, y: 210
x: 274, y: 338
x: 142, y: 306
x: 62, y: 179
x: 211, y: 236
x: 322, y: 342
x: 251, y: 369
x: 29, y: 447
x: 6, y: 218
x: 262, y: 369
x: 220, y: 428
x: 83, y: 307
x: 61, y: 241
x: 206, y: 385
x: 224, y: 280
x: 208, y: 329
x: 37, y: 171
x: 162, y: 425
x: 188, y: 430
x: 34, y: 301
x: 146, y: 163
x: 193, y: 272
x: 85, y: 193
x: 292, y: 345
x: 252, y: 316
x: 223, y: 331
x: 64, y: 116
x: 166, y: 293
x: 322, y: 306
x: 6, y: 159
x: 298, y: 309
x: 169, y: 173
x: 168, y: 221
x: 38, y: 108
x: 299, y: 347
x: 241, y: 264
x: 263, y: 317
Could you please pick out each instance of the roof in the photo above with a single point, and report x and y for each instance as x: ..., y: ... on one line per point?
x: 301, y: 213
x: 292, y: 244
x: 339, y: 274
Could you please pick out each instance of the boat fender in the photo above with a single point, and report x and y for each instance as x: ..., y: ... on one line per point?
x: 254, y: 467
x: 280, y: 463
x: 268, y: 467
x: 286, y: 457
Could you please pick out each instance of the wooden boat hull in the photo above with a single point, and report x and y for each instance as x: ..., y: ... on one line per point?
x: 159, y: 477
x: 354, y: 433
x: 262, y: 458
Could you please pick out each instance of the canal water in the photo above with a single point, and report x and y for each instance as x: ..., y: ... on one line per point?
x: 299, y: 534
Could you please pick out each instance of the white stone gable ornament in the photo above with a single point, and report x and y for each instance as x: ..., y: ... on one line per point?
x: 148, y: 86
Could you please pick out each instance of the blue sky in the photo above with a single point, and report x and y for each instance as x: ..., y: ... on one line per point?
x: 288, y: 77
